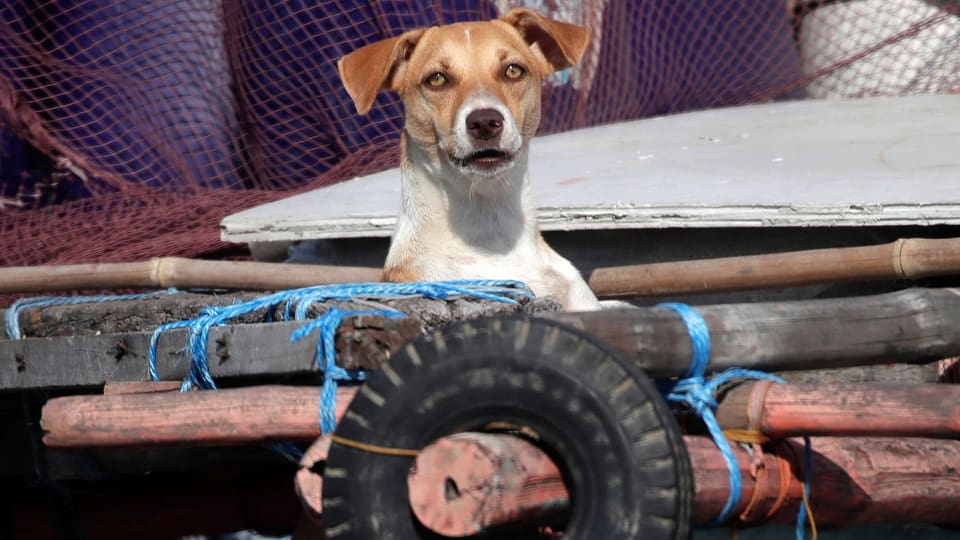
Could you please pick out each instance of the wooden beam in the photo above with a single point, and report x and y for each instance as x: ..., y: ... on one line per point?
x: 223, y: 417
x: 855, y: 481
x: 363, y: 341
x: 913, y: 326
x: 851, y: 410
x: 250, y: 414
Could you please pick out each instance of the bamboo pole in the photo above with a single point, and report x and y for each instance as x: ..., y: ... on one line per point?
x: 852, y: 410
x: 165, y: 272
x: 910, y: 259
x: 854, y: 481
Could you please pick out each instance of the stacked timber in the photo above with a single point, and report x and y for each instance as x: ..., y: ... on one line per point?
x: 861, y: 384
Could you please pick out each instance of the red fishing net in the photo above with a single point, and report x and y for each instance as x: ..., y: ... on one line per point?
x: 129, y: 129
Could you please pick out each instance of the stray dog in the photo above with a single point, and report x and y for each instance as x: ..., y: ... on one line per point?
x: 471, y: 94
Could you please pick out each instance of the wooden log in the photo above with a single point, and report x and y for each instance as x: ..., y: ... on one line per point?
x: 92, y: 358
x: 852, y: 410
x: 240, y: 415
x: 164, y: 272
x: 913, y: 326
x: 909, y: 258
x: 461, y: 466
x: 223, y: 417
x: 880, y: 480
x: 910, y: 326
x: 855, y: 481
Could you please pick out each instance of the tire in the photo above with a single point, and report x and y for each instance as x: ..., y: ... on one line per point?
x: 598, y: 416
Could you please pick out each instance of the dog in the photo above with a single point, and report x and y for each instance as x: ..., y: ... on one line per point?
x: 471, y: 97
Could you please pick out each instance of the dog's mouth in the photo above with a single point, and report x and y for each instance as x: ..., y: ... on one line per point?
x: 489, y: 158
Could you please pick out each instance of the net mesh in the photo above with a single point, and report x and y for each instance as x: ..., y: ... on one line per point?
x: 130, y: 129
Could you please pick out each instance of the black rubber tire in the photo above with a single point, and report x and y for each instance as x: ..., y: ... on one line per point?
x: 596, y: 414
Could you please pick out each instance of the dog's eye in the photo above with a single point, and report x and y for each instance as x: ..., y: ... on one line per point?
x: 436, y: 79
x: 514, y: 71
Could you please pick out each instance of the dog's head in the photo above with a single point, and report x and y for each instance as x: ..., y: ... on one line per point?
x: 471, y: 91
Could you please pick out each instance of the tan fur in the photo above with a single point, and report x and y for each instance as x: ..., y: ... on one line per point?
x: 467, y: 213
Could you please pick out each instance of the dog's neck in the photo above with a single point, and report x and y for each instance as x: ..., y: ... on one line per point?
x: 494, y: 215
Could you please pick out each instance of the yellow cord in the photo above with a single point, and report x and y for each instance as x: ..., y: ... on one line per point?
x: 813, y: 523
x: 745, y: 436
x: 374, y: 449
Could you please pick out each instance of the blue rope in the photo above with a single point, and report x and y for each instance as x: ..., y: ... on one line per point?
x: 12, y: 321
x: 807, y: 480
x: 296, y: 305
x: 698, y: 394
x: 327, y: 359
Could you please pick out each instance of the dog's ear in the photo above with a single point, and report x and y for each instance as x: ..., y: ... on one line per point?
x: 561, y: 43
x: 369, y: 69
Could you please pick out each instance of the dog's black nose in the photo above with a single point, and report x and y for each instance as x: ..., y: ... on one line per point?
x: 485, y: 124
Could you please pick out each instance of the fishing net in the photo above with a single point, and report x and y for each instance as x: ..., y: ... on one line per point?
x: 130, y: 129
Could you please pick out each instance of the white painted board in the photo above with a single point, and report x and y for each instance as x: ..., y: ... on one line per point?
x: 876, y: 161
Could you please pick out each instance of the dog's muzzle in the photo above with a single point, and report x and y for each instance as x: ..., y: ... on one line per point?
x: 484, y: 133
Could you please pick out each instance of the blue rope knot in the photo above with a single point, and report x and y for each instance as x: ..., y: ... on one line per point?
x: 697, y: 393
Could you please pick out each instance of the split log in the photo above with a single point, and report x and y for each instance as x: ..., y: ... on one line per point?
x: 910, y: 258
x: 852, y: 410
x: 855, y: 481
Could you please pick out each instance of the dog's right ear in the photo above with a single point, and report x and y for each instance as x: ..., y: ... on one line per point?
x: 369, y: 69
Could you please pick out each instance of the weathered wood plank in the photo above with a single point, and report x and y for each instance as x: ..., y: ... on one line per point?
x: 76, y: 361
x: 92, y: 359
x: 912, y: 326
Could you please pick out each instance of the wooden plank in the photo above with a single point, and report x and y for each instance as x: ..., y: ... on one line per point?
x: 875, y: 161
x: 363, y: 341
x: 76, y: 361
x: 911, y: 326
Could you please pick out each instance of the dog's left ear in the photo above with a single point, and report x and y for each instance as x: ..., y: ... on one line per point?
x: 561, y: 43
x: 369, y: 69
